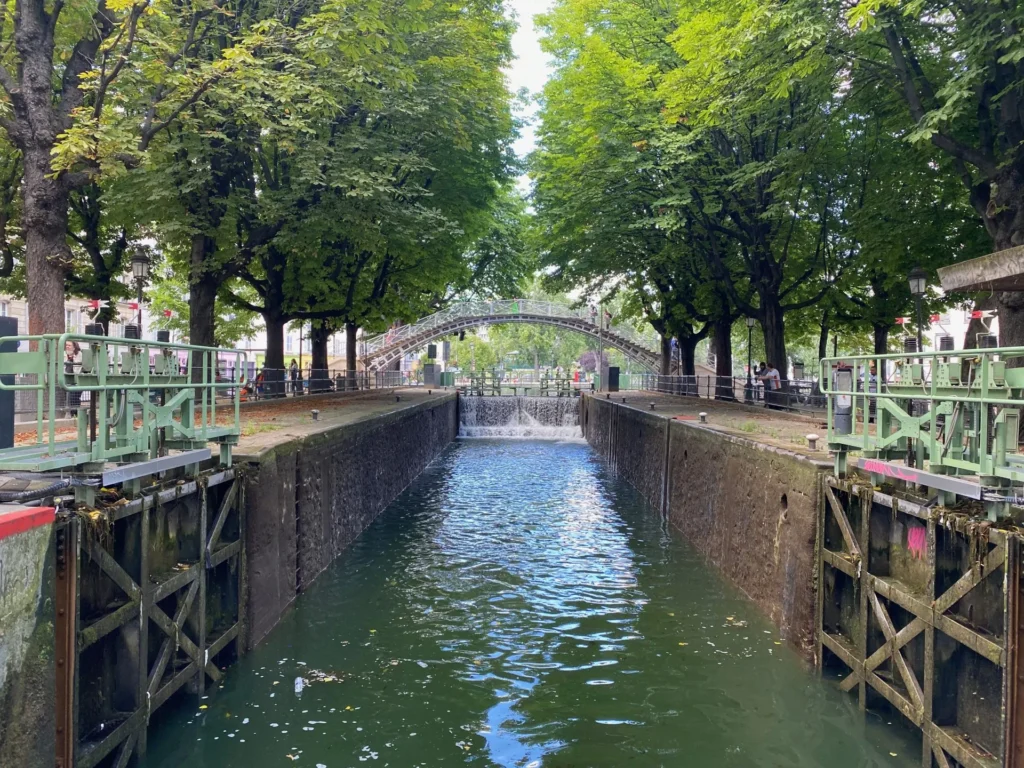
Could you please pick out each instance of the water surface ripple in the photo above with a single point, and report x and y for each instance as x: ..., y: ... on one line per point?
x: 519, y: 606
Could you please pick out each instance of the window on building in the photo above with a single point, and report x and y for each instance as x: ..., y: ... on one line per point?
x: 71, y: 321
x: 288, y: 343
x: 5, y: 309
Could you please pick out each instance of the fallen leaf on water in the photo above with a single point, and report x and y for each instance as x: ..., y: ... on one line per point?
x: 684, y: 643
x: 202, y: 706
x: 893, y: 754
x: 777, y: 642
x: 728, y: 618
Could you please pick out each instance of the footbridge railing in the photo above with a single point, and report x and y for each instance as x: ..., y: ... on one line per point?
x: 385, y: 348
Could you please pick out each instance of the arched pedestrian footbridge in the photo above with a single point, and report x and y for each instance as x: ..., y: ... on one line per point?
x: 385, y: 348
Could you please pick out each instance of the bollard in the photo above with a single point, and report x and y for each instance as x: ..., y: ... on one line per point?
x: 398, y: 398
x: 315, y: 414
x: 652, y: 406
x: 812, y: 441
x: 430, y: 391
x: 623, y: 401
x: 703, y: 416
x: 607, y: 396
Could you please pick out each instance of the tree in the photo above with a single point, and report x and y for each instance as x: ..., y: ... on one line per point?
x: 169, y: 293
x: 398, y: 201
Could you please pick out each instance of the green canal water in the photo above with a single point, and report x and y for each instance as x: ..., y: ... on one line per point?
x: 520, y: 606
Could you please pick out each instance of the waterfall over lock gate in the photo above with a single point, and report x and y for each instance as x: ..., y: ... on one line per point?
x: 512, y: 416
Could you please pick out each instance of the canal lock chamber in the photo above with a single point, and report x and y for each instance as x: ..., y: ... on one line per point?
x: 749, y: 512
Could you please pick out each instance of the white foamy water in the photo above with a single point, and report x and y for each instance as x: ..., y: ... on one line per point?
x: 552, y: 418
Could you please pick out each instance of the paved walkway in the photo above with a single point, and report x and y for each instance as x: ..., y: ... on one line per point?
x: 776, y: 428
x: 273, y: 422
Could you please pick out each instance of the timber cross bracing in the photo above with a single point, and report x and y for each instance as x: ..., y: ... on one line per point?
x: 897, y: 624
x: 166, y: 628
x: 383, y: 349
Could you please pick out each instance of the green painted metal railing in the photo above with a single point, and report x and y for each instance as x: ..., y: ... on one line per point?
x: 175, y: 388
x: 947, y: 412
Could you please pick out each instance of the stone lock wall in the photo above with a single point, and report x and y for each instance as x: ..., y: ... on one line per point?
x: 752, y: 510
x: 27, y: 680
x: 749, y: 508
x: 308, y: 499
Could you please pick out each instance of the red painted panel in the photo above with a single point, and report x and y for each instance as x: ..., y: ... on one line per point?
x: 26, y: 519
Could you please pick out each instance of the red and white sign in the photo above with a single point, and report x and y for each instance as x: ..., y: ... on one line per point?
x: 978, y: 314
x: 133, y: 305
x: 934, y: 318
x: 901, y: 320
x: 167, y: 313
x: 97, y: 303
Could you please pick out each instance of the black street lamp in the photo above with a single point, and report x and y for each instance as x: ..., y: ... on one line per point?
x: 918, y: 280
x: 750, y: 364
x: 140, y: 271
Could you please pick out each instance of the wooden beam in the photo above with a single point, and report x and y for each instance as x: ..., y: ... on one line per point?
x: 176, y: 582
x: 971, y: 579
x: 224, y: 553
x: 222, y: 516
x: 103, y: 627
x: 166, y: 647
x: 909, y: 679
x: 126, y: 751
x: 112, y: 568
x: 844, y: 522
x: 838, y: 561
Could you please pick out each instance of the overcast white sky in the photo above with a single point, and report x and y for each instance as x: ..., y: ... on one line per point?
x: 530, y: 68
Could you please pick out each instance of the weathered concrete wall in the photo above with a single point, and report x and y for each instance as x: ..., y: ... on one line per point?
x: 751, y: 509
x: 631, y: 440
x: 307, y: 499
x: 27, y: 677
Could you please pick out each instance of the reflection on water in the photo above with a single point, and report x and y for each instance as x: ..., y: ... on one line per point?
x: 518, y: 606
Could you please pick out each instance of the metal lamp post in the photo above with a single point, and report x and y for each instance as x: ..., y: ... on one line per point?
x: 918, y: 280
x: 750, y: 364
x: 140, y: 271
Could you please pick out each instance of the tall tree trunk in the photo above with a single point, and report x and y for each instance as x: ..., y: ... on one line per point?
x: 273, y: 366
x: 773, y: 324
x: 881, y: 332
x: 202, y: 294
x: 351, y: 354
x: 721, y: 342
x: 1004, y: 219
x: 45, y: 226
x: 665, y: 366
x: 319, y: 376
x: 688, y: 353
x: 823, y: 337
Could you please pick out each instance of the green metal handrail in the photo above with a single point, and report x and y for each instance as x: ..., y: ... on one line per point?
x: 120, y: 374
x: 975, y: 392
